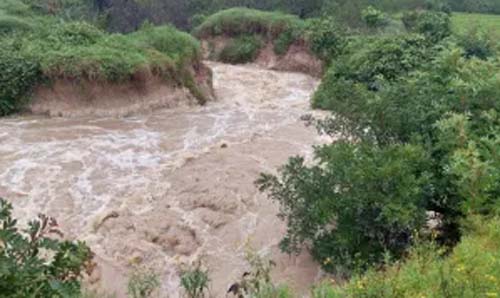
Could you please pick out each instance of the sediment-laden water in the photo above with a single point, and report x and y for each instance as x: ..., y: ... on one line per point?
x: 168, y: 187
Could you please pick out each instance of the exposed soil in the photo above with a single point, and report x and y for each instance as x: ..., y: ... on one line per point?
x: 298, y: 58
x: 144, y: 92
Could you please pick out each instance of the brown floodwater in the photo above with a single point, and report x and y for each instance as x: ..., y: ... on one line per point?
x: 166, y: 188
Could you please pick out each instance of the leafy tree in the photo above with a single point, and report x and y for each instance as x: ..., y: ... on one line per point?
x: 33, y: 263
x: 357, y: 202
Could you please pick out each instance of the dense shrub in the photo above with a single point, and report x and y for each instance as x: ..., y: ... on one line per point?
x: 435, y: 26
x: 358, y: 202
x: 34, y: 263
x: 241, y: 50
x: 18, y: 75
x: 477, y: 43
x: 327, y: 38
x: 367, y: 64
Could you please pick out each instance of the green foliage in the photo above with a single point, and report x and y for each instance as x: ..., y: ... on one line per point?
x: 167, y: 40
x: 197, y: 19
x: 244, y: 21
x: 474, y: 159
x: 143, y: 284
x: 18, y: 76
x: 389, y: 94
x: 451, y: 83
x: 327, y: 38
x: 12, y: 24
x: 34, y: 263
x: 283, y: 42
x: 470, y: 271
x: 477, y: 6
x: 373, y: 17
x: 258, y: 283
x: 53, y: 49
x: 355, y: 204
x: 241, y: 50
x: 462, y: 22
x: 478, y: 43
x: 195, y: 281
x: 366, y: 65
x: 435, y: 26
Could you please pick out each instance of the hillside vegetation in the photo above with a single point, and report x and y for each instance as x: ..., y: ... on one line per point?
x: 415, y: 115
x: 405, y: 201
x: 36, y: 48
x: 464, y: 21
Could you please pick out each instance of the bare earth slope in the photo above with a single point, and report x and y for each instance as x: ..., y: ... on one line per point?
x: 171, y: 186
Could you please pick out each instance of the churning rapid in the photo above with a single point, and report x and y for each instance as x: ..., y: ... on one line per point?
x: 169, y: 187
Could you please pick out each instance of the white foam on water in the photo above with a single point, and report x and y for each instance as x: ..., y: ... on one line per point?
x: 82, y: 169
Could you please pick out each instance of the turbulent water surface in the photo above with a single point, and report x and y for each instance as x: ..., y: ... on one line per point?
x: 169, y: 187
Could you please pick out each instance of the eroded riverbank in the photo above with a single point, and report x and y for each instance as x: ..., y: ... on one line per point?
x: 168, y: 187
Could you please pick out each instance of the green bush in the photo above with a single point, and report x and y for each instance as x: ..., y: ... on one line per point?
x: 327, y: 38
x: 357, y: 203
x: 18, y: 75
x: 435, y: 26
x: 241, y: 50
x: 366, y: 64
x: 470, y: 271
x: 34, y: 263
x: 478, y: 43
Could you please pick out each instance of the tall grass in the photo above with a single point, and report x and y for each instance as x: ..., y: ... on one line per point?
x: 472, y: 270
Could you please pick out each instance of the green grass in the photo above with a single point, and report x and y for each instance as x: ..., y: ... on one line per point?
x: 472, y: 270
x: 244, y: 21
x: 464, y: 21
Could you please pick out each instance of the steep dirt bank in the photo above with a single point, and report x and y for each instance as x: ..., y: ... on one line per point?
x: 298, y: 58
x: 144, y: 92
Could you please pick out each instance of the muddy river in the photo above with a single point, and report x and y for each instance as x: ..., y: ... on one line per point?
x: 168, y: 187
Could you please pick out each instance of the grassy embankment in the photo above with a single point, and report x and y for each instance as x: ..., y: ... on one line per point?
x: 37, y: 48
x: 249, y: 30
